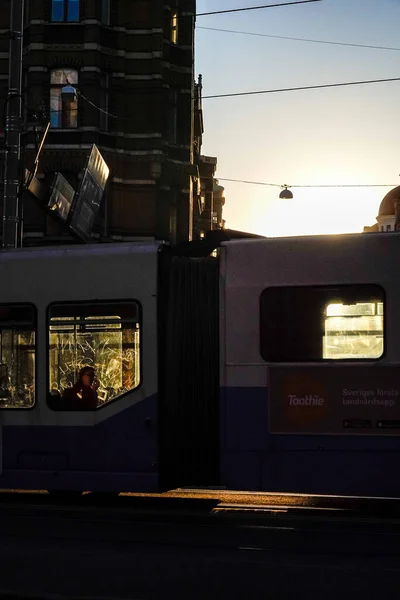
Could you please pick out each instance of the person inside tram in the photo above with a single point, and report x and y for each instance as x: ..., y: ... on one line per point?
x: 4, y: 381
x: 83, y: 394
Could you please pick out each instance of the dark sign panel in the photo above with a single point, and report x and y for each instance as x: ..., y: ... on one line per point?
x: 61, y: 197
x: 89, y: 195
x: 35, y: 187
x: 334, y: 400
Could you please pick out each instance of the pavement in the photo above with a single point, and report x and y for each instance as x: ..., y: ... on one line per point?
x: 199, y: 547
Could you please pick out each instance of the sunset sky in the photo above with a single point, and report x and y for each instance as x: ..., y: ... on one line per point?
x: 316, y: 137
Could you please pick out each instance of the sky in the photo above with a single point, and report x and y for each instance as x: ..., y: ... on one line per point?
x: 320, y: 137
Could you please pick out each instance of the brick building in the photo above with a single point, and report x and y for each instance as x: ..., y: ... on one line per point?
x: 132, y: 64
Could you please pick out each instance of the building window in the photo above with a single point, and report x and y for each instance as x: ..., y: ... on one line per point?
x: 173, y: 218
x: 388, y: 228
x: 308, y: 324
x: 17, y: 356
x: 174, y: 28
x: 64, y: 11
x: 104, y: 102
x: 104, y: 336
x: 63, y: 112
x: 172, y: 117
x: 26, y: 12
x: 105, y: 12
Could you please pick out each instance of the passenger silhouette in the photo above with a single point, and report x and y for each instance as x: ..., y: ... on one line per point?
x: 83, y: 394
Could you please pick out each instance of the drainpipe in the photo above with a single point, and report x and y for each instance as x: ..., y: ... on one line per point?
x: 13, y: 129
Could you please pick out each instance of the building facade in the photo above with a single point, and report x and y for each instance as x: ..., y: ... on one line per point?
x: 388, y: 219
x: 131, y: 63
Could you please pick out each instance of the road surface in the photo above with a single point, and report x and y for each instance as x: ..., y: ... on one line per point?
x: 139, y: 553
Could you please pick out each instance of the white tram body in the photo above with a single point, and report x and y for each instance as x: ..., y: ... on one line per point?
x: 274, y: 366
x: 310, y: 364
x: 47, y: 448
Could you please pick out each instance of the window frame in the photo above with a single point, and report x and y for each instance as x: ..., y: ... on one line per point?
x: 59, y: 86
x: 35, y: 324
x: 325, y: 361
x: 65, y: 6
x: 91, y: 303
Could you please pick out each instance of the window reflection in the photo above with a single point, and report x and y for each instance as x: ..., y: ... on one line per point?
x: 57, y: 10
x: 17, y: 356
x: 64, y: 10
x: 63, y: 113
x: 105, y: 337
x: 73, y: 10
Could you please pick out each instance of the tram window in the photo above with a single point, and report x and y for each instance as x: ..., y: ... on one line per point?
x: 303, y: 324
x: 104, y: 336
x: 17, y: 356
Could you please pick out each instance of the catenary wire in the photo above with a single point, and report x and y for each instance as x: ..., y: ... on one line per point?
x: 297, y: 39
x: 234, y: 10
x: 344, y: 185
x: 296, y: 89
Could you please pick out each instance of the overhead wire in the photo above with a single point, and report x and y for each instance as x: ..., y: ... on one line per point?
x: 344, y: 185
x: 297, y: 39
x: 251, y: 93
x: 301, y: 88
x: 235, y: 10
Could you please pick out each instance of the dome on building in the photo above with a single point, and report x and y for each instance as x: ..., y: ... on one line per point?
x: 388, y: 204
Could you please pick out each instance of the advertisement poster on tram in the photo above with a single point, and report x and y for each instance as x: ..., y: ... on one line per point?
x: 334, y: 400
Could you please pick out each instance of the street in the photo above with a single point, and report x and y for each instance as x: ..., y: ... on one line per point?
x: 112, y: 552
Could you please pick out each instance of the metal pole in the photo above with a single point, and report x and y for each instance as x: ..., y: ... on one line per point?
x: 13, y: 128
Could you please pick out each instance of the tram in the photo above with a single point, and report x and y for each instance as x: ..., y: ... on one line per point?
x: 268, y: 364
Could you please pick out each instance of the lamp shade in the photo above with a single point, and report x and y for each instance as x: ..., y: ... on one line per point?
x: 286, y: 194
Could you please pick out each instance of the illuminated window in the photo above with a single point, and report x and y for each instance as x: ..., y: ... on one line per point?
x: 174, y: 28
x: 64, y: 10
x: 17, y: 356
x: 103, y: 336
x: 63, y: 112
x: 300, y: 324
x: 353, y: 330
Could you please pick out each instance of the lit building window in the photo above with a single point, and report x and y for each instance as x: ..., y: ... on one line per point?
x: 102, y: 336
x: 174, y: 28
x: 64, y: 10
x: 17, y: 356
x: 63, y: 113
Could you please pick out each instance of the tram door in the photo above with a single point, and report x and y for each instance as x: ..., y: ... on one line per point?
x: 189, y: 371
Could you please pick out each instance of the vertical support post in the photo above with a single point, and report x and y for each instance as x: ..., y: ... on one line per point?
x: 13, y: 129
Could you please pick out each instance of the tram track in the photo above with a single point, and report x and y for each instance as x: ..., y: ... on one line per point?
x: 190, y: 502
